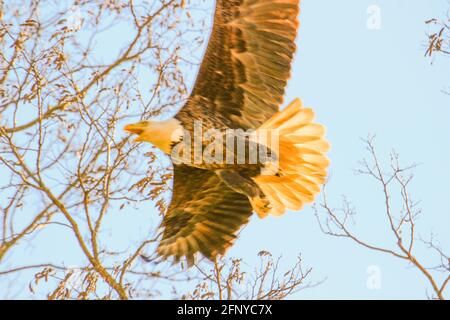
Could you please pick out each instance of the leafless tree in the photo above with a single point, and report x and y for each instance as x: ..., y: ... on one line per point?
x: 438, y: 43
x: 64, y: 160
x: 394, y: 185
x: 231, y: 279
x: 439, y: 36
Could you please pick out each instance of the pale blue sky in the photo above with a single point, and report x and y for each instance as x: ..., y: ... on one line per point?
x: 359, y: 82
x: 362, y: 82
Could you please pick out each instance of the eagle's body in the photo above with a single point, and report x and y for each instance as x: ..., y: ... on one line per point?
x: 240, y: 85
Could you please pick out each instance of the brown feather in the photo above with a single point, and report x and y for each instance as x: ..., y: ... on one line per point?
x: 245, y: 69
x: 204, y: 215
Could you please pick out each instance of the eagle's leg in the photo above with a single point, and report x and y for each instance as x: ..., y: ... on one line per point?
x: 247, y: 187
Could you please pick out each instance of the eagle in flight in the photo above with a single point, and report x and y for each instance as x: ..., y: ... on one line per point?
x: 240, y: 85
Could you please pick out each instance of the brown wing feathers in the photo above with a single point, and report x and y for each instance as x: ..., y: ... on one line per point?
x: 247, y: 63
x: 240, y: 84
x: 204, y: 215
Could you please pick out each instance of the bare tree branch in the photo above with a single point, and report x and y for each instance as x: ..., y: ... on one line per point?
x: 402, y: 223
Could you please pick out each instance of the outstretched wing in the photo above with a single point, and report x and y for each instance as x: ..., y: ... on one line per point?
x: 246, y: 66
x: 204, y: 215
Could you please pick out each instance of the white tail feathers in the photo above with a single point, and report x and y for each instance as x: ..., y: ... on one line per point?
x: 302, y: 161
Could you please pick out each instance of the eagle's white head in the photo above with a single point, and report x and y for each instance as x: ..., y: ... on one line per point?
x: 162, y: 134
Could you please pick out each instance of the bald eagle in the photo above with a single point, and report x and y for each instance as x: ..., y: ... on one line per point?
x: 240, y: 85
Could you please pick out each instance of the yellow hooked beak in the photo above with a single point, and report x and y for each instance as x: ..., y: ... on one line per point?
x: 136, y: 128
